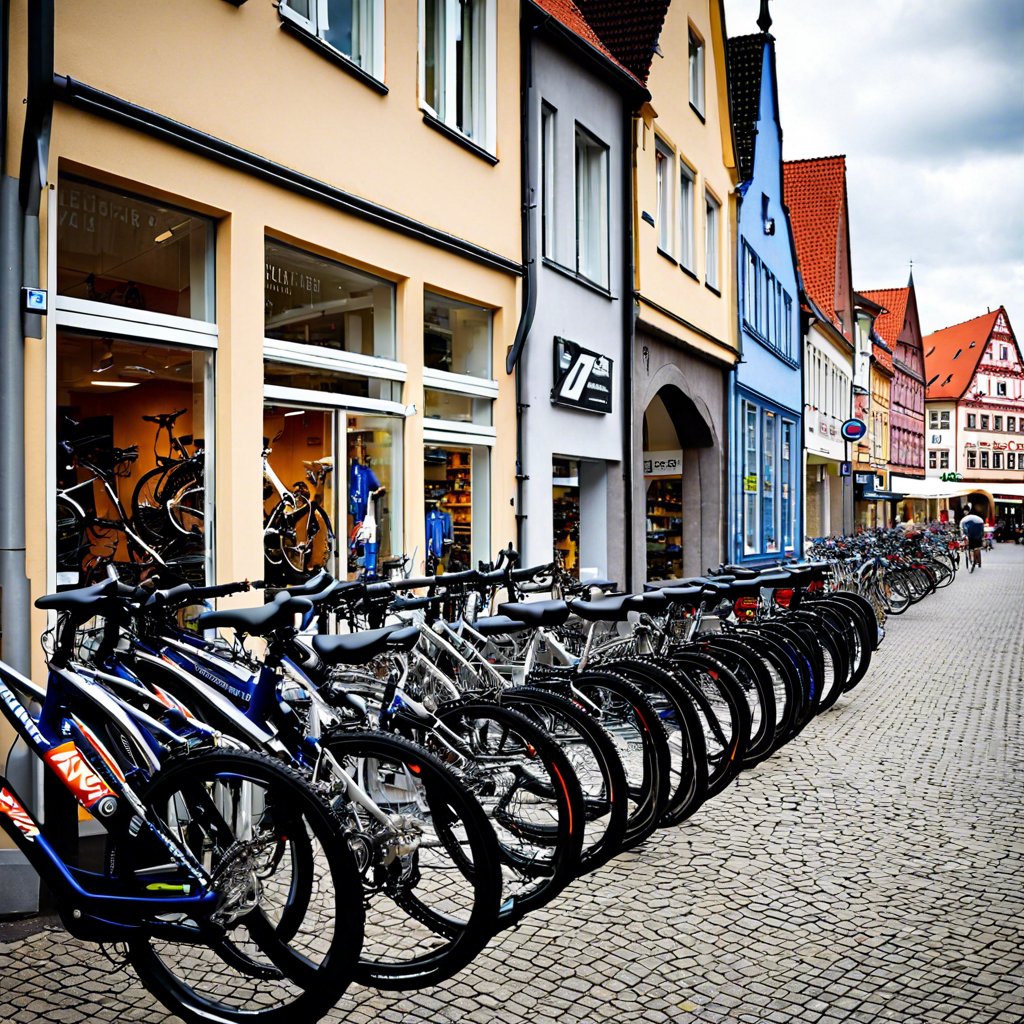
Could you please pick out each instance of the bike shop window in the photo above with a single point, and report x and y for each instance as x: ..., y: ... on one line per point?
x: 312, y: 300
x: 131, y: 468
x: 456, y: 496
x: 120, y: 249
x: 787, y: 475
x: 353, y: 28
x: 771, y: 537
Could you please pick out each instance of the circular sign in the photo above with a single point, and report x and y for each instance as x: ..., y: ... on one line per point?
x: 853, y: 430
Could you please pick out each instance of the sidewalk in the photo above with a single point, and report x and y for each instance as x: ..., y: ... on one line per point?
x: 870, y: 871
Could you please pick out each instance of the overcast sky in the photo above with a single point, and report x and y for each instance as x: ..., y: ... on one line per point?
x: 926, y: 99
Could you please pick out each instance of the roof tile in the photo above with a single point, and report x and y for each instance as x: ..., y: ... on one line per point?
x: 629, y: 28
x: 889, y: 324
x: 745, y: 61
x: 815, y: 192
x: 949, y: 358
x: 569, y: 14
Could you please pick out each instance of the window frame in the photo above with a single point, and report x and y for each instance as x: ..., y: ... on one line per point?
x: 482, y: 75
x: 696, y: 77
x: 548, y: 165
x: 664, y: 163
x: 686, y: 219
x: 712, y: 242
x: 371, y: 34
x: 596, y: 153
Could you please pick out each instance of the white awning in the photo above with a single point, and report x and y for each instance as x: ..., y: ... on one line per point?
x: 931, y: 487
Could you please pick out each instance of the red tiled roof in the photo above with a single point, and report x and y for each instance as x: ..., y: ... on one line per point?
x: 950, y: 359
x: 889, y: 324
x: 629, y: 28
x: 882, y: 355
x: 815, y: 192
x: 568, y: 14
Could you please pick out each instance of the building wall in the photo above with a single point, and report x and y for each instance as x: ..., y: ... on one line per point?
x: 576, y: 310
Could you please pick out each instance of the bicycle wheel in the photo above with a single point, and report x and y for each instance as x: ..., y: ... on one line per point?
x: 71, y: 541
x: 428, y: 857
x: 149, y: 515
x: 290, y: 901
x: 184, y: 497
x: 596, y: 763
x: 306, y: 540
x: 527, y: 787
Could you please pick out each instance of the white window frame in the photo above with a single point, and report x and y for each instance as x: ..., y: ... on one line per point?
x: 548, y: 159
x: 483, y: 77
x: 592, y: 215
x: 687, y: 196
x: 370, y: 30
x: 712, y: 246
x: 664, y: 163
x: 1001, y: 388
x: 695, y: 60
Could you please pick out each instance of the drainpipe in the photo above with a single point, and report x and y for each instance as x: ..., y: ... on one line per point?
x: 529, y: 306
x: 628, y: 341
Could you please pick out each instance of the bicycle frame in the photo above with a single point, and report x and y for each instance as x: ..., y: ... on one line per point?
x: 92, y: 908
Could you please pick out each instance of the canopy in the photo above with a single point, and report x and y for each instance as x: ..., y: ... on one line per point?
x: 931, y: 487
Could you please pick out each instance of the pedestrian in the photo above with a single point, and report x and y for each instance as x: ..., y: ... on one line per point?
x: 973, y: 527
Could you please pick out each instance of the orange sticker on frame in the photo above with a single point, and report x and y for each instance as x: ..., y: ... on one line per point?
x: 78, y: 776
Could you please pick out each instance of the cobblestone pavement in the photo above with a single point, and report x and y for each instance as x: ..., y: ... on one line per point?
x: 870, y: 871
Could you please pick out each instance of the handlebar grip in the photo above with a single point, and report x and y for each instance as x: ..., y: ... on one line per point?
x: 536, y: 570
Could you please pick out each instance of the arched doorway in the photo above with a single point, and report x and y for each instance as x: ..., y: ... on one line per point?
x: 681, y: 486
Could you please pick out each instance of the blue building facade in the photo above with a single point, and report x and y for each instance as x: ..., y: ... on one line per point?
x: 766, y: 397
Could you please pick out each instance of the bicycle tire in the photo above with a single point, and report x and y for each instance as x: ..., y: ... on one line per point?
x: 286, y: 967
x: 428, y: 913
x: 595, y: 761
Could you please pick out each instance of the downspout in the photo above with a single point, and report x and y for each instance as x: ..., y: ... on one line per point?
x: 628, y: 341
x: 19, y: 250
x: 529, y: 305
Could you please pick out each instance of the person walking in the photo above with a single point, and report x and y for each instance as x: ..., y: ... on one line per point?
x: 973, y: 527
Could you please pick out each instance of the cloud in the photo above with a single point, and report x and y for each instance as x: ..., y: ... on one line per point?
x: 926, y: 99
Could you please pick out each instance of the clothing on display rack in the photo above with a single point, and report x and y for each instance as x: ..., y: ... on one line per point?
x: 439, y: 531
x: 362, y: 483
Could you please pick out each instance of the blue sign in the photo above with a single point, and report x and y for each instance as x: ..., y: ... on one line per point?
x: 853, y: 430
x: 33, y: 300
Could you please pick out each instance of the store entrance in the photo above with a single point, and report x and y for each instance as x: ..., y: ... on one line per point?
x: 565, y: 505
x: 663, y: 480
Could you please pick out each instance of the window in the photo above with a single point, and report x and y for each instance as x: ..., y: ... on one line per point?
x: 591, y: 207
x: 938, y: 420
x: 355, y: 28
x: 771, y: 537
x: 984, y: 421
x: 456, y: 336
x: 123, y: 250
x: 933, y: 460
x: 312, y: 300
x: 768, y: 313
x: 984, y: 460
x: 1011, y: 424
x: 997, y: 422
x: 711, y: 209
x: 1004, y: 352
x: 457, y: 67
x: 696, y: 73
x: 944, y: 458
x: 1001, y: 388
x: 997, y: 460
x: 972, y: 460
x: 1011, y: 460
x: 788, y: 503
x: 663, y: 163
x: 686, y: 245
x: 751, y: 488
x: 972, y: 421
x: 547, y: 180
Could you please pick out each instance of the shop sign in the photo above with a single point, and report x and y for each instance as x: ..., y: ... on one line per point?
x: 853, y: 430
x: 845, y: 468
x: 583, y: 379
x: 951, y: 477
x: 750, y: 483
x: 284, y: 281
x: 997, y: 446
x: 663, y: 463
x: 864, y: 479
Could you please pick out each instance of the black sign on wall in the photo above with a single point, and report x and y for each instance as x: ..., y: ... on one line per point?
x: 583, y: 379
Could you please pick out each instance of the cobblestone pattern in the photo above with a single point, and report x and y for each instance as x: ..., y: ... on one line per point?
x: 870, y: 871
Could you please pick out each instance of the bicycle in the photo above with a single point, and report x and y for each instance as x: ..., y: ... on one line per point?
x: 211, y: 860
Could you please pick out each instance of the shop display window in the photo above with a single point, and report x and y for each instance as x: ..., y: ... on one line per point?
x: 332, y: 382
x: 664, y: 527
x: 565, y: 495
x: 120, y: 249
x: 456, y: 507
x: 771, y: 536
x: 131, y: 466
x: 449, y: 405
x: 305, y: 503
x: 312, y: 300
x: 456, y: 337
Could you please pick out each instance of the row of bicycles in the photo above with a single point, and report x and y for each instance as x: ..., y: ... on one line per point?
x: 365, y: 782
x: 162, y: 526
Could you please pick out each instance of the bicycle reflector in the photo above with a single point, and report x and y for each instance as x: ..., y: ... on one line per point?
x: 745, y: 607
x: 783, y: 597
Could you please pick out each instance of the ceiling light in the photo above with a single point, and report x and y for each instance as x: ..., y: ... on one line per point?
x: 164, y: 235
x: 115, y: 383
x: 296, y: 412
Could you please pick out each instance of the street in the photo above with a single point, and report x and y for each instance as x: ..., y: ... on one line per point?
x: 870, y: 870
